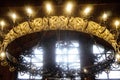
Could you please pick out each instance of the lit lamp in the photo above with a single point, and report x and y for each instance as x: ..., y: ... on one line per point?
x: 85, y: 70
x: 14, y: 17
x: 103, y: 19
x: 48, y: 8
x: 104, y: 16
x: 69, y: 8
x: 2, y: 58
x: 2, y: 24
x: 116, y: 23
x: 87, y: 11
x: 2, y: 55
x: 117, y: 58
x: 29, y: 11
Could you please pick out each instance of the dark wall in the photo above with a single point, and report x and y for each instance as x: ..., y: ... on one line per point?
x: 5, y: 74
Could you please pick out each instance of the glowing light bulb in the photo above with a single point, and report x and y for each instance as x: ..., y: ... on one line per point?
x: 14, y: 17
x: 105, y: 16
x: 69, y: 7
x: 85, y: 70
x: 2, y: 24
x: 48, y: 7
x: 118, y: 57
x: 29, y: 11
x: 87, y: 10
x: 116, y: 23
x: 2, y: 55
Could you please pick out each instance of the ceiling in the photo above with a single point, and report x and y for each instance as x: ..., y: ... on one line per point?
x: 7, y: 3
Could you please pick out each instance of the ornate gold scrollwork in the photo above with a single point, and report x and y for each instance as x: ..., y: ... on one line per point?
x: 61, y: 23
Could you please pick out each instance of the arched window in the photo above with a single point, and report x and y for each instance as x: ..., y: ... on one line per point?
x: 68, y: 54
x: 34, y: 59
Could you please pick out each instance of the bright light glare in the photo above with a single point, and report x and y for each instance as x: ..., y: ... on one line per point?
x: 97, y: 49
x: 85, y: 70
x: 68, y: 55
x: 76, y: 44
x: 87, y: 10
x: 104, y: 16
x: 118, y: 57
x: 36, y: 59
x: 48, y: 7
x: 112, y: 75
x: 116, y: 23
x: 37, y: 51
x: 69, y: 7
x: 2, y: 55
x: 14, y: 16
x: 2, y: 23
x: 29, y: 11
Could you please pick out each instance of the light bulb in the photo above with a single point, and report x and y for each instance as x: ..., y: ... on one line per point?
x: 48, y: 7
x: 2, y: 55
x: 116, y: 23
x: 105, y: 16
x: 14, y: 17
x: 117, y: 56
x: 29, y: 11
x: 87, y: 10
x: 85, y: 70
x: 69, y: 7
x: 2, y: 23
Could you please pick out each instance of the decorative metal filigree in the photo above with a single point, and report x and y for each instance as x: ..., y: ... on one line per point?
x: 61, y: 23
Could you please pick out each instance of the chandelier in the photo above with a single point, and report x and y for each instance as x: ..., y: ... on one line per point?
x: 60, y: 22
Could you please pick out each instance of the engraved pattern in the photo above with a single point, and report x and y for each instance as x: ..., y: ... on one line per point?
x: 61, y: 23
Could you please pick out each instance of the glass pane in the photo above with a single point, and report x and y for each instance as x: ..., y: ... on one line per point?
x: 74, y: 65
x: 75, y: 43
x: 58, y: 51
x: 101, y: 58
x: 63, y: 65
x: 114, y: 75
x: 27, y: 59
x: 111, y: 75
x: 73, y: 51
x: 38, y: 77
x: 38, y: 64
x: 111, y: 51
x: 23, y: 75
x: 37, y: 51
x: 68, y: 56
x: 97, y: 49
x: 37, y: 58
x: 64, y: 50
x: 73, y: 58
x: 102, y: 75
x: 61, y: 58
